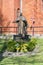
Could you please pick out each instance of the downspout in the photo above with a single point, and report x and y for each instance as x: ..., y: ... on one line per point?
x: 20, y: 6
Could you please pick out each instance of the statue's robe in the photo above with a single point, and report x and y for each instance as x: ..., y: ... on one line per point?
x: 22, y: 25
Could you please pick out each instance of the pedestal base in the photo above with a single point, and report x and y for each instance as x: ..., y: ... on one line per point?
x: 19, y: 37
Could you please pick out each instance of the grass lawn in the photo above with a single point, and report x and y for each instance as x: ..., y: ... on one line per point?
x: 26, y: 60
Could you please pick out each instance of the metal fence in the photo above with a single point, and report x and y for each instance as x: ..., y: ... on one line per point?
x: 33, y: 30
x: 36, y: 30
x: 2, y: 29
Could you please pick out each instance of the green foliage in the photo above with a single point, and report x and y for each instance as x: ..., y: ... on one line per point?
x: 21, y: 46
x: 26, y: 60
x: 2, y: 45
x: 24, y: 47
x: 11, y: 46
x: 32, y: 44
x: 27, y: 46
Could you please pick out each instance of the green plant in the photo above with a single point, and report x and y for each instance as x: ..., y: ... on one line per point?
x: 32, y: 44
x: 21, y: 46
x: 11, y: 46
x: 2, y: 45
x: 24, y: 47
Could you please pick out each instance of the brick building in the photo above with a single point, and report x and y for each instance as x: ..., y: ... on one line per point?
x: 31, y: 9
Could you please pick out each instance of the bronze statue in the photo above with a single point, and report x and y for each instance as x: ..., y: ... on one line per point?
x: 22, y: 25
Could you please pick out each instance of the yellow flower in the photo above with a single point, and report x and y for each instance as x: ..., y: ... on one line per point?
x: 25, y: 44
x: 17, y: 48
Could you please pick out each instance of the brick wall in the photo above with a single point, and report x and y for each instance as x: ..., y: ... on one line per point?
x: 32, y: 10
x: 8, y: 9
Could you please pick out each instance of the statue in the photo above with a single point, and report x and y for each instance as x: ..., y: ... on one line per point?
x: 22, y: 25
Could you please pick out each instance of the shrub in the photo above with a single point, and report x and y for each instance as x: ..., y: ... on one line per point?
x: 21, y: 46
x: 11, y: 46
x: 24, y: 47
x: 2, y: 45
x: 32, y: 44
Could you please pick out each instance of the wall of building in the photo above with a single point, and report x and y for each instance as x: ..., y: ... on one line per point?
x: 32, y: 10
x: 8, y: 9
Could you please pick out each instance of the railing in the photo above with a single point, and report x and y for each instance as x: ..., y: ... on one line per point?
x: 39, y: 30
x: 32, y: 29
x: 2, y: 29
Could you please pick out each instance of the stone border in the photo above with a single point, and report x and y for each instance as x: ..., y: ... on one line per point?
x: 15, y: 54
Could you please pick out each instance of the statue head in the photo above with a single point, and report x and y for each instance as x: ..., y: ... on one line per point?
x: 18, y: 12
